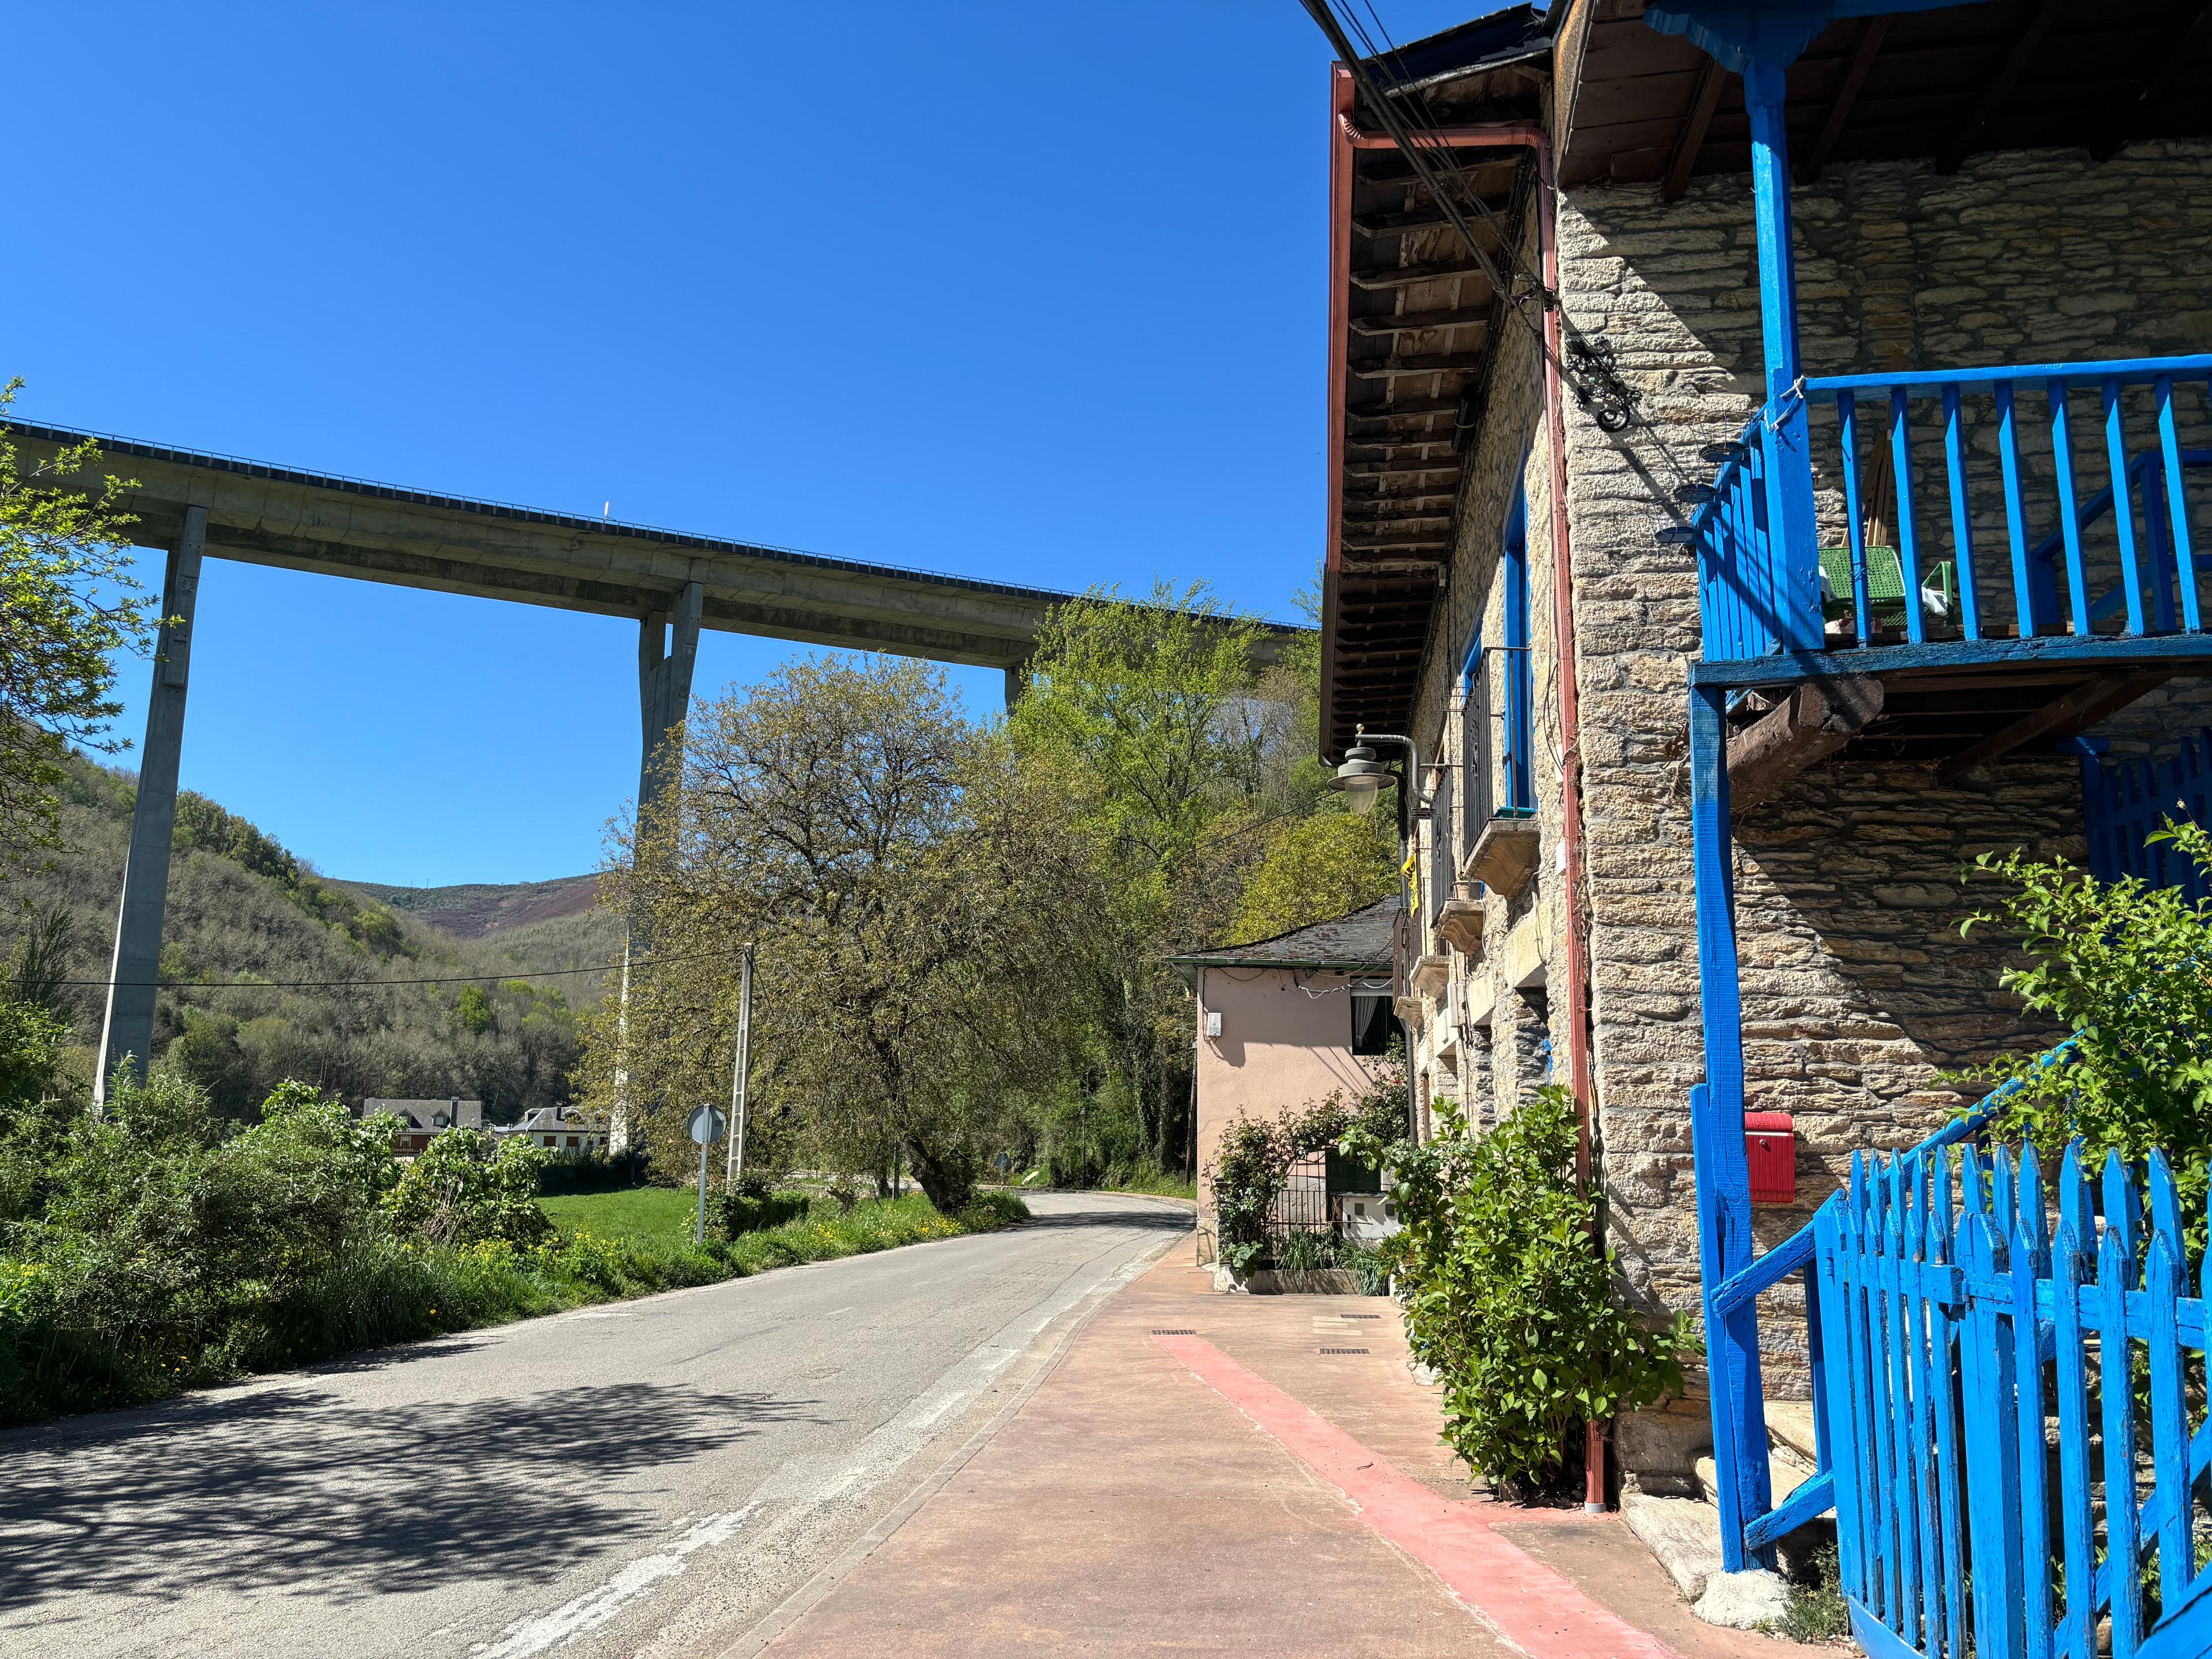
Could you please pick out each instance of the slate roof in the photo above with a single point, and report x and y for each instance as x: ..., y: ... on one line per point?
x: 1360, y: 940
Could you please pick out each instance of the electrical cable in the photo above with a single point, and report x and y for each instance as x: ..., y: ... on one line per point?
x: 1596, y: 384
x: 367, y: 984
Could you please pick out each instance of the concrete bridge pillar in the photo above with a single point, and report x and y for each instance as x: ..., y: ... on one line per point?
x: 663, y: 692
x: 128, y: 1031
x: 667, y: 647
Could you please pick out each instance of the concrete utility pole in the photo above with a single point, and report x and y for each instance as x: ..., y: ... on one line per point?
x: 128, y: 1029
x: 740, y: 1068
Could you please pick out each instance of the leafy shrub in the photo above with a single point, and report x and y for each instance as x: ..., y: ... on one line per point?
x: 741, y: 1213
x: 988, y: 1210
x: 2127, y: 966
x: 563, y: 1173
x: 1505, y: 1298
x: 1256, y: 1156
x: 463, y: 1187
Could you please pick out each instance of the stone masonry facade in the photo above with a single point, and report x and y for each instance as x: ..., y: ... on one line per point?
x: 1859, y: 990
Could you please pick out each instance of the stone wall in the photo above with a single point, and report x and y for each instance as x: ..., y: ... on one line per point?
x: 1858, y: 989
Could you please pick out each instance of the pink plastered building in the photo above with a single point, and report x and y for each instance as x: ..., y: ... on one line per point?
x: 1286, y: 1022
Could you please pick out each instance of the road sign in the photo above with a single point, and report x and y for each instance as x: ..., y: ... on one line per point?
x: 707, y: 1125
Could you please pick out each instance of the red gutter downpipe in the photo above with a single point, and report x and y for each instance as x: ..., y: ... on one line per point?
x: 1531, y: 136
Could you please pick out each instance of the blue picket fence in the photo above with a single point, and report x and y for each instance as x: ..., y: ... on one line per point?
x: 2006, y: 1406
x: 2123, y: 803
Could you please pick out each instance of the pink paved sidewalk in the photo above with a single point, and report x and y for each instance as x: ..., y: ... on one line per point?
x: 1227, y: 1485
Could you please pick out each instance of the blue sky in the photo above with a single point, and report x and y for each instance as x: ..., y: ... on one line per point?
x: 1030, y: 293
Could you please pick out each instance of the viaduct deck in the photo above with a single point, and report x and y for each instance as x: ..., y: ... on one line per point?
x: 340, y: 526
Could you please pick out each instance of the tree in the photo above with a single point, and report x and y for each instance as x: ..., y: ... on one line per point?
x: 907, y: 890
x: 68, y: 606
x: 1178, y: 760
x: 1317, y: 868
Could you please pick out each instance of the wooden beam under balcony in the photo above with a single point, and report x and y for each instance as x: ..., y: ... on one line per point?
x: 1402, y: 407
x: 1434, y: 272
x: 2064, y: 716
x: 1421, y: 322
x: 1811, y: 722
x: 1371, y: 469
x: 1441, y: 362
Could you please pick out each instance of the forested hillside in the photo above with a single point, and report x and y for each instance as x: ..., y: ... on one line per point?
x: 276, y: 972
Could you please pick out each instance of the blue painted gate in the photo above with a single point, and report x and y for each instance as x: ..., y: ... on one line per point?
x: 2014, y: 1406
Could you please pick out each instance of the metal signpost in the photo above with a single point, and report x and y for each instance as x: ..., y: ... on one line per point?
x: 707, y: 1124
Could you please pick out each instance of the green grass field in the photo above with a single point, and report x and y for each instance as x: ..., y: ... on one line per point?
x: 641, y: 1212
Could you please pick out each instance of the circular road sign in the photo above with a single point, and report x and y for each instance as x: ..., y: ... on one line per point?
x: 706, y: 1125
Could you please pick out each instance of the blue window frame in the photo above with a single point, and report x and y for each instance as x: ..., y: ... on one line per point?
x: 1519, y: 737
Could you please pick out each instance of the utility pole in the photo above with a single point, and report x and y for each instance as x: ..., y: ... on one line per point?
x: 736, y: 1163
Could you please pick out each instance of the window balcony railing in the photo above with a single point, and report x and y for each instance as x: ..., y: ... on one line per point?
x: 1852, y: 515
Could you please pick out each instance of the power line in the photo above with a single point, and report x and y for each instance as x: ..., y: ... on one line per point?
x: 1596, y: 384
x: 367, y: 984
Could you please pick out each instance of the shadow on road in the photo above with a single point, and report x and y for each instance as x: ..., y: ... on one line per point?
x: 1151, y: 1218
x: 297, y: 1489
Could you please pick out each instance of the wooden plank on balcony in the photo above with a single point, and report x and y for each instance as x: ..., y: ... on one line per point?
x: 1420, y: 322
x: 1875, y: 30
x: 1435, y: 271
x: 1813, y: 722
x: 1703, y: 103
x: 1442, y: 362
x: 1402, y: 407
x: 1371, y: 469
x: 2076, y: 711
x: 1999, y: 88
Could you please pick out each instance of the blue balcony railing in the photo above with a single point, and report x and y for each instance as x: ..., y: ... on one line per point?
x: 1852, y: 514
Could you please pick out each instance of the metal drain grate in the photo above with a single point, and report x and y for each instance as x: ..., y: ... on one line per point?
x: 1359, y: 1315
x: 1344, y: 1350
x: 1161, y: 1332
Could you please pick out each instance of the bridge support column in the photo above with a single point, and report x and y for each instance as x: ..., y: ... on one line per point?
x: 665, y: 654
x: 128, y: 1030
x: 663, y: 692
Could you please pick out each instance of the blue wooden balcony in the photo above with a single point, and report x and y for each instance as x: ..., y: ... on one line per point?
x: 2031, y: 521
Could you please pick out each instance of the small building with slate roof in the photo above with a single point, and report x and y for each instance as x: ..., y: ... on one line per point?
x: 1288, y: 1021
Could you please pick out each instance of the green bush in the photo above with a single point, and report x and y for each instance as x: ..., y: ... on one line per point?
x: 466, y: 1189
x: 160, y: 1248
x: 741, y: 1213
x: 1255, y: 1156
x: 564, y: 1173
x: 2127, y: 968
x: 1505, y: 1298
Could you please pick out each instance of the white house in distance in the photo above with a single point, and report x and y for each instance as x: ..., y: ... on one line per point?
x: 1289, y: 1021
x: 422, y: 1121
x: 556, y: 1129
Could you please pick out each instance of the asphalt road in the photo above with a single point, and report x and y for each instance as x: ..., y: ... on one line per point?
x: 650, y: 1478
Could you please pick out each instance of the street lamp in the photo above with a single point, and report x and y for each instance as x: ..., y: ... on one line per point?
x: 1361, y: 777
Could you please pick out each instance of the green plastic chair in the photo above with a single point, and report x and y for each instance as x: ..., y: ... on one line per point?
x: 1886, y: 590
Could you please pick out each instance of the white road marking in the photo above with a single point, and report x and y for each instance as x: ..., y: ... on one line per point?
x: 595, y: 1607
x: 807, y: 1480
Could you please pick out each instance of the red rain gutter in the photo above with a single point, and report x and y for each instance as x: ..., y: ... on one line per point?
x: 1348, y: 140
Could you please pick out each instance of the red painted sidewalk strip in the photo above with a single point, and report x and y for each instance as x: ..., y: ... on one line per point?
x: 1524, y: 1601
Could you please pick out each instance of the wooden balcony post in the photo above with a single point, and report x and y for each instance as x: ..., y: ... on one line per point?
x: 1793, y: 546
x: 1723, y: 1172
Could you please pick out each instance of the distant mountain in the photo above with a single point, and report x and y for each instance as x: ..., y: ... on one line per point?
x: 474, y: 909
x: 271, y: 970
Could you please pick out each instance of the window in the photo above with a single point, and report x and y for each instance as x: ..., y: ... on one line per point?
x: 1520, y: 722
x: 1374, y: 1022
x: 1473, y: 739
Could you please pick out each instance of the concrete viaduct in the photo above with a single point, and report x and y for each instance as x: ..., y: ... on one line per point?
x: 199, y: 506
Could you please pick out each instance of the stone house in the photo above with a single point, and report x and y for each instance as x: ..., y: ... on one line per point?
x: 1286, y: 1022
x: 1592, y: 563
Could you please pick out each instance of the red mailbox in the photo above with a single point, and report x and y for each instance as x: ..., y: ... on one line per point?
x: 1770, y: 1144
